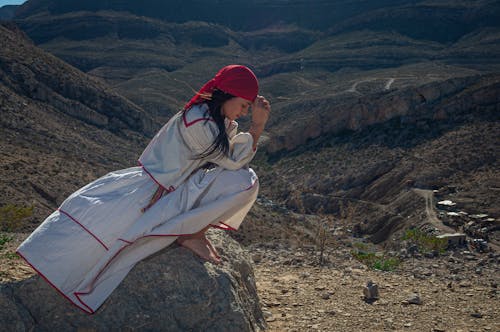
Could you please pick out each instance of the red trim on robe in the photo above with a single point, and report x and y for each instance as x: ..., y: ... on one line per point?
x: 85, y: 228
x: 54, y: 286
x: 168, y: 190
x: 188, y: 124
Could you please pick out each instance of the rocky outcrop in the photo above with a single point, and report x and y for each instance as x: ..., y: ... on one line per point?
x: 433, y: 101
x: 170, y: 291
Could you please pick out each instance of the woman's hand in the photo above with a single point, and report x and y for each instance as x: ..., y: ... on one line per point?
x: 260, y: 111
x: 260, y: 114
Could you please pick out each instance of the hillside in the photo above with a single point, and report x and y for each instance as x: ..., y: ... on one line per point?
x: 60, y: 128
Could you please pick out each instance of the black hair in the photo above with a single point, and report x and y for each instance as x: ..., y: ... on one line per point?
x: 220, y: 146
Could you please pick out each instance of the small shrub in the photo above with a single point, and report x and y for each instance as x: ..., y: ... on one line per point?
x: 4, y: 238
x: 376, y: 262
x: 11, y: 255
x: 360, y: 246
x: 11, y: 217
x: 386, y: 264
x: 425, y: 242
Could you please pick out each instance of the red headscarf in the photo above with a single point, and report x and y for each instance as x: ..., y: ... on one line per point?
x: 237, y: 80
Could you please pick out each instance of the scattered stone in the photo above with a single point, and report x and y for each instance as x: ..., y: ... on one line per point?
x: 371, y: 291
x: 479, y: 216
x: 413, y: 249
x: 465, y: 284
x: 257, y: 258
x: 454, y: 239
x: 477, y: 314
x: 431, y: 254
x: 471, y: 258
x: 479, y: 245
x: 267, y: 314
x: 325, y: 295
x: 447, y: 203
x: 413, y: 299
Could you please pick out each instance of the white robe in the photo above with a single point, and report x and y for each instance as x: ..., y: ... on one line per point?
x: 86, y: 247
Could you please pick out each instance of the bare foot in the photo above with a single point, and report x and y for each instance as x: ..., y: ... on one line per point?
x: 211, y: 247
x: 200, y: 247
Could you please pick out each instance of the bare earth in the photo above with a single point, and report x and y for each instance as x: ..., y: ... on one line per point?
x: 458, y: 293
x: 458, y: 290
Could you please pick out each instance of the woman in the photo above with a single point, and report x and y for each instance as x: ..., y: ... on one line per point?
x: 193, y: 175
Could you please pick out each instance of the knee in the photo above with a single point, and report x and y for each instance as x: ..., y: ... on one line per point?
x: 245, y: 179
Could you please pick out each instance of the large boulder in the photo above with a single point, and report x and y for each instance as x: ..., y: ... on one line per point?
x: 172, y: 290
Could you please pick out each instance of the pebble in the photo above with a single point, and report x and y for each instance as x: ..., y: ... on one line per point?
x: 267, y: 314
x: 413, y: 299
x: 477, y: 315
x: 325, y: 295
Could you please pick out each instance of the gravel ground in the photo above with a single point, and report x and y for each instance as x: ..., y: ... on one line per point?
x: 458, y: 292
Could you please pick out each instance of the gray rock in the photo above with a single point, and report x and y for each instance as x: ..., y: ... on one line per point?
x: 476, y: 314
x: 172, y: 290
x: 371, y: 291
x: 326, y: 295
x: 413, y: 299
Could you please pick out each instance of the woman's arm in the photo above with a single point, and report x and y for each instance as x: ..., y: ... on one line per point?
x: 260, y: 114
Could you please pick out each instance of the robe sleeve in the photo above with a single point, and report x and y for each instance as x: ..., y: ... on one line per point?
x: 199, y: 138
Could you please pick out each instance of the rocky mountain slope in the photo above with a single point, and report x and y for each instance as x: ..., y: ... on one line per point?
x: 7, y: 12
x: 374, y: 170
x: 60, y: 128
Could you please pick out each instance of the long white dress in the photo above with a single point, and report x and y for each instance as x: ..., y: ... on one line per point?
x: 86, y: 247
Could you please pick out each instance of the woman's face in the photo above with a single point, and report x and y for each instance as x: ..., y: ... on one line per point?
x: 235, y: 108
